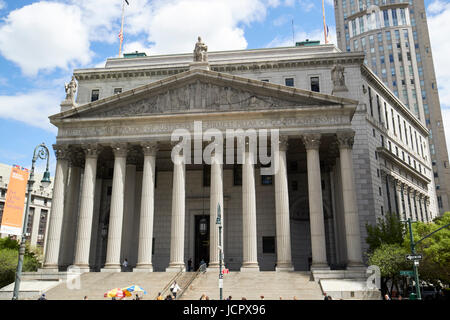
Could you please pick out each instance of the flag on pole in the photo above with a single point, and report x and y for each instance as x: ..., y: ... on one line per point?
x: 127, y: 2
x: 328, y: 35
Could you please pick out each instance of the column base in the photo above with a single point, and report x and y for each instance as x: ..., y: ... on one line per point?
x: 250, y: 267
x: 111, y: 268
x: 49, y: 269
x: 143, y: 268
x: 176, y: 268
x: 320, y: 266
x: 78, y: 268
x: 284, y: 267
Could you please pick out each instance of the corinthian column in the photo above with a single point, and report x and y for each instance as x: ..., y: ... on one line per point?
x: 249, y: 246
x: 116, y: 212
x: 178, y: 215
x: 284, y: 258
x: 216, y: 198
x: 70, y: 222
x: 83, y: 243
x: 400, y: 208
x: 352, y: 232
x: 317, y: 225
x: 57, y: 211
x: 147, y: 209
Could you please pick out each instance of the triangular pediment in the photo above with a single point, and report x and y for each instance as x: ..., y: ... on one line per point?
x: 200, y: 91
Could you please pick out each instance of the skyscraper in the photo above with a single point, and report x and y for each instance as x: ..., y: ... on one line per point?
x: 394, y: 36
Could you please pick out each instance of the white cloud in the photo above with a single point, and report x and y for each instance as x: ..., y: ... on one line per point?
x: 31, y: 108
x: 439, y: 29
x: 281, y: 20
x: 175, y: 25
x: 44, y: 35
x: 438, y: 16
x: 302, y: 35
x: 2, y: 4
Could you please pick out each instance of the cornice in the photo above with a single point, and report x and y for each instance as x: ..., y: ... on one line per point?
x: 327, y: 59
x: 390, y: 156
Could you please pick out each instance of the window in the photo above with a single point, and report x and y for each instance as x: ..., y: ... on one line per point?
x: 268, y: 244
x: 94, y: 94
x: 289, y: 82
x: 117, y: 90
x: 315, y: 84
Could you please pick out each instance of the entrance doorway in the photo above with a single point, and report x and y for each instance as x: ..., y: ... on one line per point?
x: 201, y: 240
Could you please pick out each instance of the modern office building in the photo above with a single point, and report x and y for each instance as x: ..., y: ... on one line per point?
x: 40, y: 207
x: 121, y: 191
x: 394, y: 36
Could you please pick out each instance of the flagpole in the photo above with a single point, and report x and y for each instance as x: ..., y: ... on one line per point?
x: 121, y: 29
x: 324, y: 24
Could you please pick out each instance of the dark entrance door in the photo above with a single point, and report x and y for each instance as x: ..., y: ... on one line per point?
x: 201, y: 240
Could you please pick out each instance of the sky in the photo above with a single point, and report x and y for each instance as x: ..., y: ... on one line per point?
x: 42, y: 42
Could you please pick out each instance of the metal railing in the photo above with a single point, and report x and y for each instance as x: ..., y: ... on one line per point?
x: 164, y: 290
x: 201, y: 269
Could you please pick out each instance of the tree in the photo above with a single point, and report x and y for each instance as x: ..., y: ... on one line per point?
x: 388, y: 230
x: 435, y: 264
x: 390, y: 258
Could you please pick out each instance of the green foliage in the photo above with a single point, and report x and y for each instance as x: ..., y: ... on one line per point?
x: 9, y: 256
x: 8, y: 264
x: 390, y: 258
x: 435, y: 250
x: 8, y: 243
x: 388, y: 230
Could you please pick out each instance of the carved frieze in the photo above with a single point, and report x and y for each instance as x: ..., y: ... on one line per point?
x: 195, y: 96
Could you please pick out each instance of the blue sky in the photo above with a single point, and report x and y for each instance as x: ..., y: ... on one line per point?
x: 41, y: 42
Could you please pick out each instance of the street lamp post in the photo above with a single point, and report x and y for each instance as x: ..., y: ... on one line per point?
x: 219, y: 223
x: 41, y: 151
x: 416, y: 262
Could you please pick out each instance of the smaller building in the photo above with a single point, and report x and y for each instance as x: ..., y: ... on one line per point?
x: 40, y: 204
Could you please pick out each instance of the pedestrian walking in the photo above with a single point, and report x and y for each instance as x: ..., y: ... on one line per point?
x: 386, y: 297
x: 174, y: 289
x: 326, y: 297
x: 169, y: 297
x: 160, y: 297
x: 42, y: 297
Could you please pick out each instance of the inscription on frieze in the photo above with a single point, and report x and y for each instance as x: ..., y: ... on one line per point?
x: 158, y: 128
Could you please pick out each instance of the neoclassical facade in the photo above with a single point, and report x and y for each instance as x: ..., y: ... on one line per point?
x: 120, y: 192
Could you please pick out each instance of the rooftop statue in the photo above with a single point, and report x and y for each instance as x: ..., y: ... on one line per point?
x: 200, y: 54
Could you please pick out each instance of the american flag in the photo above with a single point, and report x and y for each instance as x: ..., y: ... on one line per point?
x: 121, y: 35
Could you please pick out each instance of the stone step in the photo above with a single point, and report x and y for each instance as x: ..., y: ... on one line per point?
x: 95, y: 284
x: 271, y: 285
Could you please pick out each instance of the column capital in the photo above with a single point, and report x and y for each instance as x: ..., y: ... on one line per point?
x: 132, y: 156
x: 76, y: 158
x: 91, y: 150
x: 398, y: 183
x: 149, y: 148
x: 119, y: 149
x: 283, y: 143
x: 345, y: 139
x: 62, y: 151
x: 311, y: 141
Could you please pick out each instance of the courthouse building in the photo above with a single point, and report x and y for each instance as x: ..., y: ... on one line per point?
x: 343, y: 162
